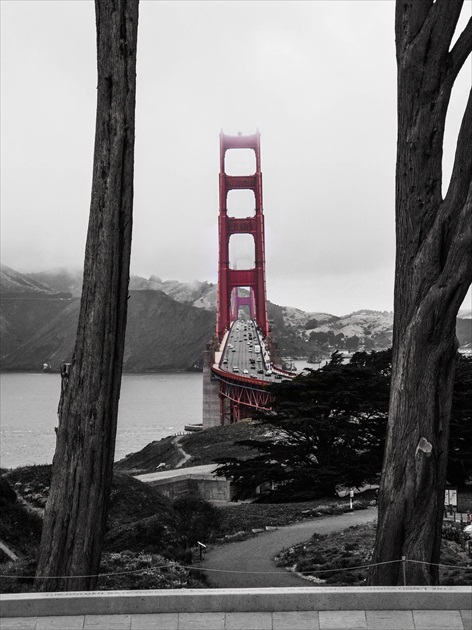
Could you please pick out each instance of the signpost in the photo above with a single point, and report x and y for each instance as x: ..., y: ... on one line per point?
x: 201, y: 546
x: 451, y: 497
x: 450, y: 500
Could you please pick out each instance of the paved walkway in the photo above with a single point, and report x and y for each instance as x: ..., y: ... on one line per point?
x: 252, y: 559
x: 256, y: 554
x: 300, y: 620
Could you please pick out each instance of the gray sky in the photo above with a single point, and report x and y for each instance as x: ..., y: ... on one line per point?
x: 317, y: 78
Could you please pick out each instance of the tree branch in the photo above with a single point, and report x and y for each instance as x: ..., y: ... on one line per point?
x: 460, y: 51
x: 462, y: 169
x: 444, y: 16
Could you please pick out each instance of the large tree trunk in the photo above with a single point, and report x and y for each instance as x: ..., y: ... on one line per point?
x: 432, y: 275
x: 76, y: 511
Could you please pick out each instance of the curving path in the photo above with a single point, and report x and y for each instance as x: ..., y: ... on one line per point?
x: 185, y: 456
x: 256, y: 554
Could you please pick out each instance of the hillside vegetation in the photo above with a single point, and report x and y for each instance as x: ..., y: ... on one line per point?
x: 204, y: 447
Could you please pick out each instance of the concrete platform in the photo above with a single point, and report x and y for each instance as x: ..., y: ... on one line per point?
x: 368, y: 608
x: 176, y: 473
x: 288, y: 620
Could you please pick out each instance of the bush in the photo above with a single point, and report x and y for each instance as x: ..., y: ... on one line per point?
x: 198, y: 520
x: 20, y: 528
x: 134, y: 571
x: 451, y: 532
x: 21, y: 576
x: 147, y: 534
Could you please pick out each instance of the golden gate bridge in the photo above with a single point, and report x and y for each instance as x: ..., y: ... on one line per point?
x: 241, y: 360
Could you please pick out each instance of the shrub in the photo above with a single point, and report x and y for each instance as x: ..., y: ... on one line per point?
x: 198, y: 520
x: 451, y: 532
x: 129, y: 571
x: 21, y: 576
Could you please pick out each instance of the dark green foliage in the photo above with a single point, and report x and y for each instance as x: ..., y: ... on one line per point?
x: 36, y: 476
x: 20, y: 528
x: 198, y: 520
x: 205, y: 447
x: 20, y: 576
x: 327, y: 428
x: 459, y: 468
x: 451, y: 532
x: 151, y: 529
x: 338, y: 559
x: 132, y: 499
x: 7, y: 494
x: 150, y: 534
x: 135, y: 571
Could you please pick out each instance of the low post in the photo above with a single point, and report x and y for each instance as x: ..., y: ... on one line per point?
x: 404, y: 570
x: 201, y: 547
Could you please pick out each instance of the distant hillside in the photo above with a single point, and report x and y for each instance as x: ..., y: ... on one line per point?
x: 162, y: 334
x: 40, y: 327
x: 196, y: 293
x: 60, y: 279
x: 317, y: 335
x: 169, y: 323
x: 15, y: 284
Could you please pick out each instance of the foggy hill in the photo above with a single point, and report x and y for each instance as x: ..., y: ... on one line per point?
x: 169, y: 323
x: 15, y: 283
x: 199, y: 294
x: 162, y: 334
x: 60, y: 279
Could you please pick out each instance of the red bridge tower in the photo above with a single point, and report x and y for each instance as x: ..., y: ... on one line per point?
x: 229, y: 280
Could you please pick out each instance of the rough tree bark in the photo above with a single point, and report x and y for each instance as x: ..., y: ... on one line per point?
x: 433, y: 272
x: 75, y: 515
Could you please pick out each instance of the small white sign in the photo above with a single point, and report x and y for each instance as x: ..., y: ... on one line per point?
x: 451, y: 497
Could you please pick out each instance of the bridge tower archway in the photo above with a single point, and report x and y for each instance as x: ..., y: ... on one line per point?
x: 230, y: 280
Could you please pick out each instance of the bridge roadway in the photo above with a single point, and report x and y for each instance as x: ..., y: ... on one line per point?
x: 239, y: 354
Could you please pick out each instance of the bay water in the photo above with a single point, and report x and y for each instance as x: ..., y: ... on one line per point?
x: 152, y: 406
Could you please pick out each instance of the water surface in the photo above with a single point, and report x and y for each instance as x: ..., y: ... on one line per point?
x: 152, y: 406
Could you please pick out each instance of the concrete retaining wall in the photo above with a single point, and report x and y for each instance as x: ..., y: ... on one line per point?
x: 236, y: 600
x: 205, y: 486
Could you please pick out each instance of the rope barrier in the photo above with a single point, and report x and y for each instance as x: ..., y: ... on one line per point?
x: 193, y: 568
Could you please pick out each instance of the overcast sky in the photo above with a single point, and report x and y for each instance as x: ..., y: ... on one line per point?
x: 316, y: 78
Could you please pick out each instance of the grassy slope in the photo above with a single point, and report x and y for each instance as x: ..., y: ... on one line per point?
x: 140, y: 518
x: 332, y: 559
x: 204, y: 447
x: 150, y: 457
